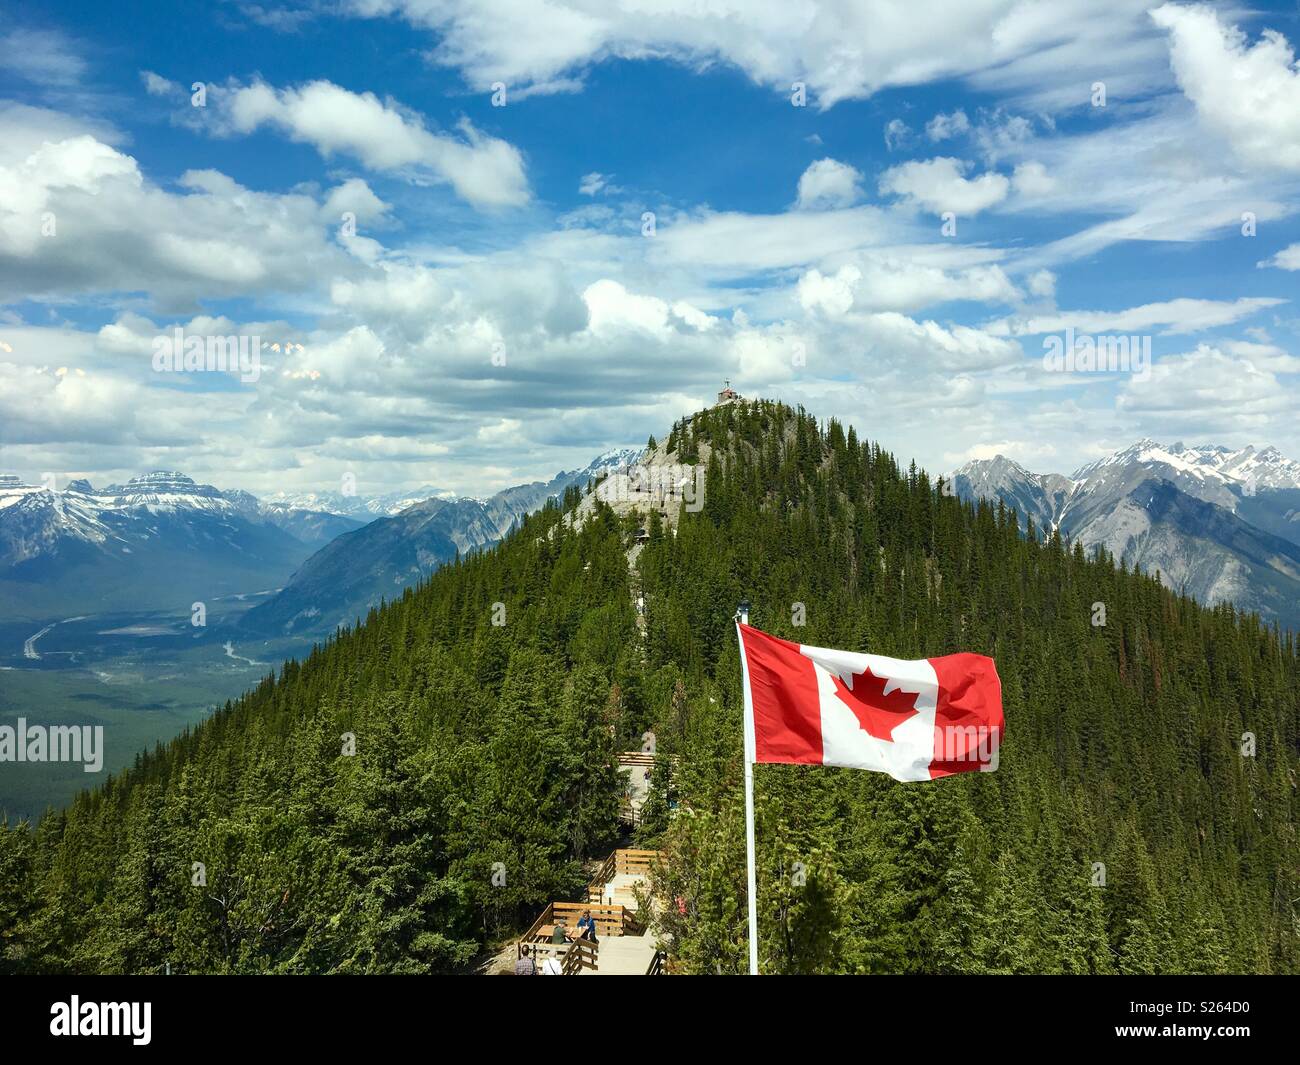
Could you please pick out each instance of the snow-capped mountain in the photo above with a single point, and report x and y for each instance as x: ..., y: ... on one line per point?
x: 1218, y: 523
x: 162, y: 539
x: 356, y: 571
x: 352, y: 505
x: 158, y: 541
x: 1247, y: 467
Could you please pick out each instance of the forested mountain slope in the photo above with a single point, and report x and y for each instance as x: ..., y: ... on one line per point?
x: 478, y: 743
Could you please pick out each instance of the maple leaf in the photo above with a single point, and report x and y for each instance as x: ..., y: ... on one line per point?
x: 878, y: 714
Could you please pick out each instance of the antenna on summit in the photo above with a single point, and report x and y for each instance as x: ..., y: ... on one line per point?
x: 728, y: 394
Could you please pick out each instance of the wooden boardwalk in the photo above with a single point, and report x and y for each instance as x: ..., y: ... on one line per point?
x: 624, y: 956
x: 636, y: 766
x: 625, y: 946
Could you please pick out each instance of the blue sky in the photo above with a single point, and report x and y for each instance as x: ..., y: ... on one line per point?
x: 502, y: 310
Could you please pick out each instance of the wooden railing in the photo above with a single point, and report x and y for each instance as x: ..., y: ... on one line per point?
x: 637, y: 862
x: 596, y: 889
x: 633, y: 861
x: 635, y: 758
x: 658, y: 964
x: 610, y: 921
x: 584, y: 954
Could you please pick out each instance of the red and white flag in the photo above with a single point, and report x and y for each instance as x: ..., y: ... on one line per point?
x: 913, y: 720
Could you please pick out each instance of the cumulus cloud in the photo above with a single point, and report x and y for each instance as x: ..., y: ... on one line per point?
x: 77, y: 216
x: 157, y: 85
x: 355, y: 197
x: 1042, y: 283
x: 1208, y: 390
x: 1247, y: 94
x: 928, y: 343
x: 901, y: 284
x: 829, y: 183
x: 942, y: 126
x: 1032, y: 180
x: 897, y: 134
x: 484, y: 171
x: 1286, y: 259
x: 940, y: 185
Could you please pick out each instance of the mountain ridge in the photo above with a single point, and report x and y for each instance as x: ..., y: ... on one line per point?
x: 1221, y: 524
x: 488, y: 705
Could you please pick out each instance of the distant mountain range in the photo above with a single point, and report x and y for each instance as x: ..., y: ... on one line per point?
x: 157, y: 542
x: 359, y: 569
x: 352, y: 505
x: 163, y: 541
x: 1220, y: 524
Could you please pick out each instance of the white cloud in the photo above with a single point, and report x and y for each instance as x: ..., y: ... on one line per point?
x: 77, y: 216
x: 485, y: 171
x: 612, y: 308
x: 1178, y: 316
x: 1042, y: 283
x: 732, y: 241
x: 884, y: 282
x: 592, y: 183
x: 1146, y: 179
x: 501, y: 431
x: 940, y: 185
x: 897, y: 134
x: 842, y: 51
x: 829, y: 183
x: 356, y: 197
x: 24, y: 129
x: 1208, y: 391
x: 1032, y: 180
x: 1286, y: 259
x: 928, y: 343
x: 1247, y: 94
x: 1263, y: 356
x: 943, y: 126
x: 42, y: 56
x: 157, y: 85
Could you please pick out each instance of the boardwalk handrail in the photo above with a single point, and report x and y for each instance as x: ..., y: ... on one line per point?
x: 634, y: 861
x: 582, y: 954
x: 572, y: 954
x: 535, y: 927
x: 596, y: 889
x: 610, y: 920
x: 630, y: 860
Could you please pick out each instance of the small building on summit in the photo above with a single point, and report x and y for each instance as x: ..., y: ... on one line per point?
x: 728, y: 394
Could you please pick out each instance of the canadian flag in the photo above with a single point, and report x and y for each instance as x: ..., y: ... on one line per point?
x: 913, y: 720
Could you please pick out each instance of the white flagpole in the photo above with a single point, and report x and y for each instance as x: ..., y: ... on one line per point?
x: 750, y: 753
